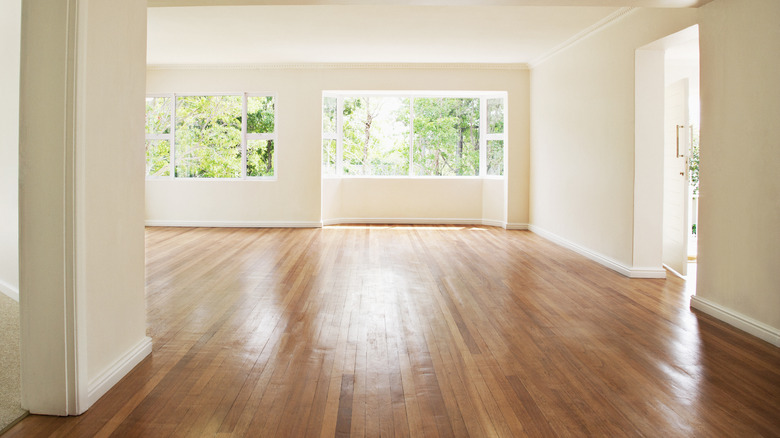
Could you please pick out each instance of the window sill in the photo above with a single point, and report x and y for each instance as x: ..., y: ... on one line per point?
x: 371, y: 177
x: 164, y: 178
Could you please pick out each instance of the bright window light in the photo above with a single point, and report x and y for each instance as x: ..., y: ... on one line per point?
x: 210, y: 136
x: 430, y: 134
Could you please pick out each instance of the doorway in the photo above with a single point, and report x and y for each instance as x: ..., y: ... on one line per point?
x: 658, y: 65
x: 681, y: 134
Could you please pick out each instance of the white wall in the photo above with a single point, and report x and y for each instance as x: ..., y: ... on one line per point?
x: 110, y: 188
x: 82, y: 243
x: 10, y: 34
x: 294, y: 198
x: 739, y: 243
x: 494, y: 206
x: 406, y: 198
x: 583, y: 136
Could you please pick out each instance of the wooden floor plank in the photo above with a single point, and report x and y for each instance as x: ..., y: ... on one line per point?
x: 388, y: 330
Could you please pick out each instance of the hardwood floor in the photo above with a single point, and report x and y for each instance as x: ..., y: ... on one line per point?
x: 421, y: 331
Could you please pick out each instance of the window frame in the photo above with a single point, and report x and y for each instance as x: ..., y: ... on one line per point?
x: 484, y: 136
x: 245, y: 136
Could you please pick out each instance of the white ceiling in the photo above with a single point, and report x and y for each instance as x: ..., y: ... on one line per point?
x: 364, y: 33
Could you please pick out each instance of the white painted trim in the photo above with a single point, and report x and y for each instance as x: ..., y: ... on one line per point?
x: 113, y: 374
x: 233, y: 224
x: 647, y: 273
x: 413, y: 221
x: 516, y: 226
x: 581, y: 250
x: 677, y: 274
x: 756, y: 328
x: 346, y: 66
x: 337, y: 221
x: 493, y: 223
x: 9, y: 291
x: 581, y: 35
x: 601, y: 259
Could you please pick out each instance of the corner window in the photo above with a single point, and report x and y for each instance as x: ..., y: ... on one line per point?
x: 210, y: 136
x: 393, y: 134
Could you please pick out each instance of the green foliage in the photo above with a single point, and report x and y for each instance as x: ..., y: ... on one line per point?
x: 260, y: 120
x: 158, y: 158
x: 260, y: 158
x: 329, y: 105
x: 375, y: 137
x: 329, y: 156
x: 158, y: 115
x: 259, y: 114
x: 495, y: 116
x: 446, y: 136
x: 208, y: 136
x: 208, y: 141
x: 377, y: 131
x: 158, y: 122
x: 693, y: 163
x: 495, y: 157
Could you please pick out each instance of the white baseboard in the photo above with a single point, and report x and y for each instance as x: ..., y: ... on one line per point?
x: 234, y: 224
x: 647, y: 273
x: 738, y: 320
x: 10, y: 291
x: 338, y: 221
x: 673, y: 271
x: 516, y: 226
x: 98, y: 386
x: 601, y: 259
x: 493, y: 223
x: 412, y: 221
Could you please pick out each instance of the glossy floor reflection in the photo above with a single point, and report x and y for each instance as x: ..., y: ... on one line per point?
x: 421, y: 331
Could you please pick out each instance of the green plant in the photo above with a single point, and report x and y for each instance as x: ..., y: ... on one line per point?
x: 693, y: 164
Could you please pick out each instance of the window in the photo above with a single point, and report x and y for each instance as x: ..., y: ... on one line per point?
x: 495, y: 137
x: 158, y: 136
x: 210, y: 136
x: 392, y: 134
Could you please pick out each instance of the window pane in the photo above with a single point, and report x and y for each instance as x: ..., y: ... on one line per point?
x: 260, y: 158
x: 260, y: 115
x: 329, y: 115
x: 208, y: 136
x: 158, y: 158
x: 495, y: 116
x: 158, y: 115
x: 446, y: 136
x: 495, y: 157
x: 328, y: 157
x: 376, y: 136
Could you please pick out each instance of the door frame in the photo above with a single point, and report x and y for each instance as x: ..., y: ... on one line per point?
x: 648, y: 153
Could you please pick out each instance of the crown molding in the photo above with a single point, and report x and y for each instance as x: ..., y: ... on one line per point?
x: 343, y: 66
x: 583, y: 34
x: 447, y: 3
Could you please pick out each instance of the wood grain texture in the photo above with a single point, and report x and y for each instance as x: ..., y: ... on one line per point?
x: 421, y: 331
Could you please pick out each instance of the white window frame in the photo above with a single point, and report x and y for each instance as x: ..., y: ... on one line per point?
x: 502, y: 136
x: 245, y: 136
x: 484, y: 137
x: 169, y: 136
x: 334, y: 136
